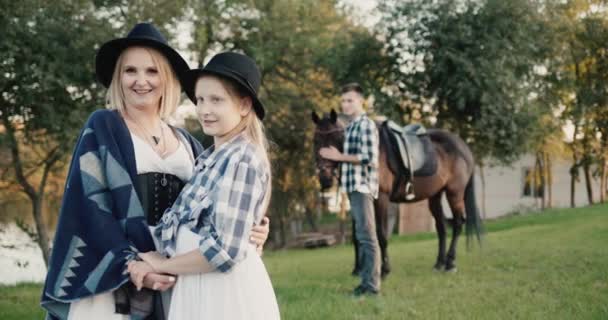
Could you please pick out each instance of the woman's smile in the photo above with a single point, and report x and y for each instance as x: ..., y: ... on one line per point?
x: 142, y: 91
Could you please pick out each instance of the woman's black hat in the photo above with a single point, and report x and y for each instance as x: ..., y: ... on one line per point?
x: 145, y: 35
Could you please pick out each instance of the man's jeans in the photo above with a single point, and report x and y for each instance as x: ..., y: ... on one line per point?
x: 362, y: 210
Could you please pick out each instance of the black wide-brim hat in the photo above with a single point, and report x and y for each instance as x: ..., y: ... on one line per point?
x: 234, y: 66
x: 144, y: 35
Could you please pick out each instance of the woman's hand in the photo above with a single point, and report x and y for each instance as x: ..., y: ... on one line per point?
x: 157, y: 281
x: 259, y: 234
x: 138, y: 271
x: 154, y: 259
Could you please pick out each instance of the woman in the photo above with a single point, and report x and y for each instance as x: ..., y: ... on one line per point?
x: 128, y: 166
x: 205, y: 232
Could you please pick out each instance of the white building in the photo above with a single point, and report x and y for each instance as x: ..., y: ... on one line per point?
x: 504, y: 194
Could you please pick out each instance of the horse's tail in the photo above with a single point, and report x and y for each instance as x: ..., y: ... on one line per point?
x: 473, y: 220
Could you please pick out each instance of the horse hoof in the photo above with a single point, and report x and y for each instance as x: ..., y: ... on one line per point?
x: 384, y: 273
x: 438, y: 268
x: 452, y: 269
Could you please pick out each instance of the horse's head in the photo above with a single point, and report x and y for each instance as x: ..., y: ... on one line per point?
x: 328, y: 132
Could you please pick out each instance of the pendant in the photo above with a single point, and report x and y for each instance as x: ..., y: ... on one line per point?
x: 156, y: 139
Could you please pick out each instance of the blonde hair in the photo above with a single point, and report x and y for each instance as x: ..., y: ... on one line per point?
x: 170, y: 97
x: 253, y: 128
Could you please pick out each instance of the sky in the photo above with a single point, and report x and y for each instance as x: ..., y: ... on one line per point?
x: 366, y: 10
x: 364, y: 13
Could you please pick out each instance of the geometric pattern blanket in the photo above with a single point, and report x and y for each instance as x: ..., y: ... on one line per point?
x: 101, y: 224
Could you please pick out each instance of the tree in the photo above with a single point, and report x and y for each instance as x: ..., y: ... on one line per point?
x: 48, y: 88
x: 358, y: 55
x: 580, y: 72
x: 473, y: 63
x: 292, y: 42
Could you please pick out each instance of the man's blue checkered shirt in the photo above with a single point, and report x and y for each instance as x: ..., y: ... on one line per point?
x: 362, y: 141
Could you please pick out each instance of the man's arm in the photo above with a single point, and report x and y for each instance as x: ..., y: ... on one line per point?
x: 368, y: 144
x: 331, y: 153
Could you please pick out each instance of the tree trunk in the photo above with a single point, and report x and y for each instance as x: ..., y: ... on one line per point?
x: 280, y: 216
x: 539, y: 178
x: 576, y: 121
x: 310, y: 218
x: 586, y: 170
x: 549, y: 172
x: 573, y: 169
x: 34, y: 195
x: 573, y: 178
x: 283, y: 220
x: 482, y: 177
x: 603, y: 180
x: 42, y: 234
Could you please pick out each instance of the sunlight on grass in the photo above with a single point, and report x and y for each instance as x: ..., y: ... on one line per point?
x: 549, y: 265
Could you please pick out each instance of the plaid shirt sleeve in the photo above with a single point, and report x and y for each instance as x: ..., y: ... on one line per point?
x: 368, y: 143
x: 239, y: 197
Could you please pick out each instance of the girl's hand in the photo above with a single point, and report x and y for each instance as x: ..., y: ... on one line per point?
x: 154, y: 259
x: 259, y: 234
x: 160, y: 282
x: 138, y: 271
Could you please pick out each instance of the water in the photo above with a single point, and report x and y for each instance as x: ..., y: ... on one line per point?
x: 20, y: 257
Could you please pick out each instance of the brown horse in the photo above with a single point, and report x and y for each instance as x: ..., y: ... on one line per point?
x: 454, y: 176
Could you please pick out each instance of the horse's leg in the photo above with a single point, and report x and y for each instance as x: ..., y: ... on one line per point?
x: 437, y: 211
x: 381, y: 214
x: 456, y: 201
x: 357, y: 266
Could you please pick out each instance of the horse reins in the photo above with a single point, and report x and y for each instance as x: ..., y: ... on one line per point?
x: 335, y: 173
x: 328, y: 131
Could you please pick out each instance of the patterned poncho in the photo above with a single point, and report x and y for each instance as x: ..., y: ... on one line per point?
x: 102, y: 225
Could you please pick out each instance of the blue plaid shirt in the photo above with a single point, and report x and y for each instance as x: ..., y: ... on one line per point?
x: 221, y: 203
x: 361, y: 140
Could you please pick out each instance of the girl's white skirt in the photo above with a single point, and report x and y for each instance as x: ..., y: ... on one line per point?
x: 245, y: 292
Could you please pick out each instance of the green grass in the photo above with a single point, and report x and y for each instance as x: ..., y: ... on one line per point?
x: 550, y: 265
x: 20, y: 302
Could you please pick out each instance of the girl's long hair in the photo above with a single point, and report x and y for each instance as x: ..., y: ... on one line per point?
x: 253, y: 128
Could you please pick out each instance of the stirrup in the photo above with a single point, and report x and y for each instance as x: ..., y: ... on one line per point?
x: 409, y: 191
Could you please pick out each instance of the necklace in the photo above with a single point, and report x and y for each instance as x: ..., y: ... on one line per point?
x: 156, y: 139
x: 153, y: 140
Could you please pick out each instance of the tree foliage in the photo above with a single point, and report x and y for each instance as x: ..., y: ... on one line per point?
x: 293, y: 43
x: 473, y: 63
x: 579, y: 72
x: 48, y: 87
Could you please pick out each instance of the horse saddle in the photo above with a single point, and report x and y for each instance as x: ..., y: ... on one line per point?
x: 410, y: 154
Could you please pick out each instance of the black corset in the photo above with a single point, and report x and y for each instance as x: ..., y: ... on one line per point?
x: 157, y: 192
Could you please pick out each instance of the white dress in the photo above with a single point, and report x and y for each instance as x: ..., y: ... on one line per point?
x: 243, y: 293
x: 180, y: 163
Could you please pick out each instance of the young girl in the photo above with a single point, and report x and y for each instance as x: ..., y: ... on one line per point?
x: 206, y: 232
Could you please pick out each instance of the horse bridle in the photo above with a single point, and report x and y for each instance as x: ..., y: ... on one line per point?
x: 334, y: 173
x: 328, y: 131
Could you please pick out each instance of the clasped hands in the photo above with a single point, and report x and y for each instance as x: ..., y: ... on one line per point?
x: 146, y: 273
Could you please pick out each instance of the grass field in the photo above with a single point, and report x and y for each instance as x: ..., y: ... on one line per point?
x: 550, y: 265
